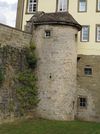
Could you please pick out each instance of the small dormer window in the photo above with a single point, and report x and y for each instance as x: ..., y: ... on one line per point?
x: 47, y: 33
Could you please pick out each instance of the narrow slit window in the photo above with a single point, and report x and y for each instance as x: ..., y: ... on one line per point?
x: 47, y: 33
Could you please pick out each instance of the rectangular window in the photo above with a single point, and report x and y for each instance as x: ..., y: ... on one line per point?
x: 98, y: 5
x: 32, y: 6
x: 62, y: 5
x: 98, y: 33
x: 85, y: 34
x: 47, y: 33
x: 88, y: 71
x: 82, y: 102
x: 82, y: 6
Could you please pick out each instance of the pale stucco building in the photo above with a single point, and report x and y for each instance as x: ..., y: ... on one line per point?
x: 86, y: 13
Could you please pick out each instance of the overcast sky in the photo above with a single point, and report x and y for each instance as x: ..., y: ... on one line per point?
x: 8, y: 12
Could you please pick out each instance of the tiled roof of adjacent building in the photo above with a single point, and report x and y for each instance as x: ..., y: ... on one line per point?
x: 60, y: 18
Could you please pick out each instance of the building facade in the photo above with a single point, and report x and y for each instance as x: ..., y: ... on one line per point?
x: 88, y: 47
x: 87, y: 14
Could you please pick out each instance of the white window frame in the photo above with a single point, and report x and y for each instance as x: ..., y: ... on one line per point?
x: 83, y: 34
x: 80, y: 4
x: 98, y: 33
x: 62, y: 5
x: 31, y: 5
x: 98, y: 6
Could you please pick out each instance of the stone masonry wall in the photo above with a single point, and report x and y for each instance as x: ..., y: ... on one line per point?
x: 89, y: 87
x: 56, y: 71
x: 12, y: 60
x: 13, y: 37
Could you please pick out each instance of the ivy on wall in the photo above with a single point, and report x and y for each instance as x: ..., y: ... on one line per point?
x: 18, y: 80
x: 31, y: 56
x: 1, y: 75
x: 27, y: 93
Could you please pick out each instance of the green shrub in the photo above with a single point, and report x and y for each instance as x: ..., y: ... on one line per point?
x: 27, y: 92
x: 31, y: 57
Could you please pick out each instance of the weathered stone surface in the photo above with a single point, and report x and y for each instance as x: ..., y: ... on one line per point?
x: 59, y: 87
x: 13, y: 37
x: 12, y: 60
x: 56, y: 71
x: 89, y: 86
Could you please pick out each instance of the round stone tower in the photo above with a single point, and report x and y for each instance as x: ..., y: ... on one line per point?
x: 55, y: 38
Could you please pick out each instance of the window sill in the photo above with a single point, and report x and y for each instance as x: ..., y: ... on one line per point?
x: 82, y: 11
x: 87, y: 75
x: 82, y: 108
x: 30, y: 13
x: 47, y: 37
x: 97, y: 41
x: 84, y: 41
x: 98, y: 11
x: 79, y: 76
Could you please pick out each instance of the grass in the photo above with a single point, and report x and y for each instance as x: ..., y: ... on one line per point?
x: 40, y: 126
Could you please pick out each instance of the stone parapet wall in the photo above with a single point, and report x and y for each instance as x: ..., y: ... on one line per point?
x: 13, y: 37
x: 12, y: 61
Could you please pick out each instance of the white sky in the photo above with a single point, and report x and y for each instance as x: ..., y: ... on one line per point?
x: 8, y: 12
